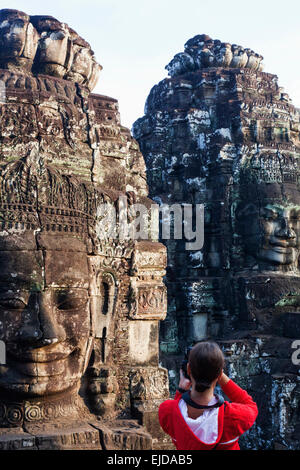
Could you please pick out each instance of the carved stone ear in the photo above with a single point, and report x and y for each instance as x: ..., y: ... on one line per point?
x: 93, y: 79
x: 244, y: 210
x: 104, y: 294
x: 69, y: 55
x: 31, y: 44
x: 83, y: 67
x: 108, y: 292
x: 237, y: 211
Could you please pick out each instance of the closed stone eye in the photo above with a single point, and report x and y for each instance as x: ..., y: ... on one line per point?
x: 69, y: 301
x: 12, y: 303
x: 269, y: 215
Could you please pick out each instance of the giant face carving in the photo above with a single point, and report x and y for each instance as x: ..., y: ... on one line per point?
x: 54, y: 50
x: 44, y: 314
x: 12, y: 33
x: 270, y: 225
x: 18, y: 38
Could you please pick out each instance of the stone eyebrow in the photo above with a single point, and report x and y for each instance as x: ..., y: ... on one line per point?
x: 273, y: 209
x: 295, y: 210
x: 7, y: 280
x: 65, y: 284
x: 277, y: 207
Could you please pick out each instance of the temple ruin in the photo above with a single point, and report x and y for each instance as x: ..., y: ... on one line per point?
x: 221, y: 132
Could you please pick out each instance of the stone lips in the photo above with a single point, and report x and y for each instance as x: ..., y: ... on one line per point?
x: 42, y: 44
x: 203, y: 52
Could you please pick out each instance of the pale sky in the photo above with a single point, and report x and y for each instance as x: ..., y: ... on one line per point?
x: 134, y: 39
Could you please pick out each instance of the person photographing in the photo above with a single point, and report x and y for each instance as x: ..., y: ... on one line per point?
x: 198, y: 418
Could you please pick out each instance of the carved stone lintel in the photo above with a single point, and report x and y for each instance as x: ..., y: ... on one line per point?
x: 148, y: 295
x: 147, y: 301
x: 149, y: 383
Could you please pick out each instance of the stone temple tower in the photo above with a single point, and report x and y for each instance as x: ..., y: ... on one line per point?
x: 79, y: 305
x: 221, y: 132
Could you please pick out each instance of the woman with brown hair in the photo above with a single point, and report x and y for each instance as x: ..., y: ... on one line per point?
x: 198, y: 418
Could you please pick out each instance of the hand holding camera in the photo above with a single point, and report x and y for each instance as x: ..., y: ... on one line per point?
x: 185, y: 380
x: 184, y: 383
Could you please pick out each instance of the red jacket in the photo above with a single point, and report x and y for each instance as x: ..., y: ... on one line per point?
x: 238, y: 417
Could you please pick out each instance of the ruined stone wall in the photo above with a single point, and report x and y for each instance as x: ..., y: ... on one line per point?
x: 222, y: 133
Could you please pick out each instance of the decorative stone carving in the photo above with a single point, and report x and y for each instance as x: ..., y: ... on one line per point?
x: 147, y: 386
x: 148, y: 298
x: 55, y: 49
x: 147, y: 301
x: 202, y: 52
x: 18, y: 40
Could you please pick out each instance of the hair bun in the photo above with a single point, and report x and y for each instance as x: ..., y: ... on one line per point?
x: 202, y: 386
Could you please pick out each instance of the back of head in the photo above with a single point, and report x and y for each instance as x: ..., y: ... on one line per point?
x: 206, y: 362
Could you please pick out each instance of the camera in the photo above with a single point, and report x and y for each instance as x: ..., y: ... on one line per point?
x: 185, y: 361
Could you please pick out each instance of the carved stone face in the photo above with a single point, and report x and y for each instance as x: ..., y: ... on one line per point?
x: 13, y: 27
x: 52, y: 52
x: 18, y: 39
x: 44, y: 314
x: 54, y: 49
x: 82, y: 64
x: 271, y: 229
x: 273, y: 232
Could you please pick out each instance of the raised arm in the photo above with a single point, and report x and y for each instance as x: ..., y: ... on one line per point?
x: 242, y: 410
x: 234, y: 392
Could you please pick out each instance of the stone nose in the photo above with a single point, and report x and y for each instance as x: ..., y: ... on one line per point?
x: 41, y: 327
x: 285, y: 230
